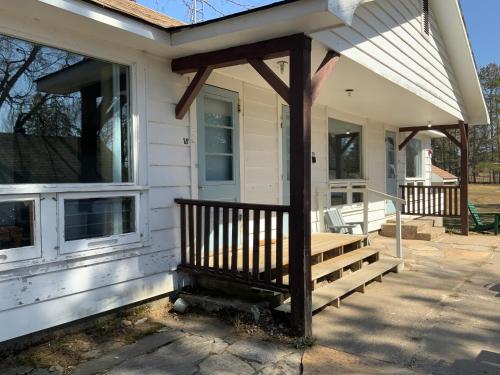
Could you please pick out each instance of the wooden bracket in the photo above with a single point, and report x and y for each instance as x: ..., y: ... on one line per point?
x: 323, y: 72
x: 408, y: 139
x: 192, y: 91
x: 271, y: 78
x: 450, y: 137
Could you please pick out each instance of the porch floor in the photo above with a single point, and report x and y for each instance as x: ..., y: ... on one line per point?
x: 321, y: 243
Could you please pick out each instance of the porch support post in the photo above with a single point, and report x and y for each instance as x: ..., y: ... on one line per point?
x: 300, y: 187
x: 464, y: 177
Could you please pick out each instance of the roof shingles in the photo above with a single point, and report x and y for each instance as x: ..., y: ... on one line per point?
x: 132, y: 9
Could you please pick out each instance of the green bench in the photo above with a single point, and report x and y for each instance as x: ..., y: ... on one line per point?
x: 480, y: 226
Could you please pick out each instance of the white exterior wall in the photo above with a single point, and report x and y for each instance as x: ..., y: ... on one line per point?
x: 53, y: 288
x: 386, y: 37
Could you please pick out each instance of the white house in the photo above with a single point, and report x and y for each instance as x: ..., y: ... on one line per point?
x: 442, y: 177
x: 93, y: 155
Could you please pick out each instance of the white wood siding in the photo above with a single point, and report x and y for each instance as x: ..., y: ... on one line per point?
x: 386, y: 36
x: 55, y: 289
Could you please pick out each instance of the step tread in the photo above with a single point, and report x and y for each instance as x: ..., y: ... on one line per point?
x: 331, y: 265
x: 327, y: 294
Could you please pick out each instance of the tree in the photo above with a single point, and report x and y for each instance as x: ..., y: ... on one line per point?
x: 484, y: 140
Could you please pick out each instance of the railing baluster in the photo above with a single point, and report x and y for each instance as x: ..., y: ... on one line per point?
x: 456, y: 202
x: 413, y: 198
x: 279, y: 248
x: 403, y: 196
x: 191, y: 234
x: 214, y: 242
x: 246, y: 239
x: 267, y: 246
x: 206, y: 234
x: 256, y: 244
x: 199, y: 239
x: 234, y: 242
x: 450, y: 202
x: 225, y: 239
x: 216, y: 238
x: 183, y: 234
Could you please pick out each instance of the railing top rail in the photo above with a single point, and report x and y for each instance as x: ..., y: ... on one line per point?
x: 384, y: 195
x: 238, y: 205
x: 432, y: 186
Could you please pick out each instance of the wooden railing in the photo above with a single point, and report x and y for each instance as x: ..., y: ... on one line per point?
x: 224, y: 240
x: 431, y: 200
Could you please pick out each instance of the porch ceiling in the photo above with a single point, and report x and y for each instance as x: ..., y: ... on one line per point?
x: 374, y: 97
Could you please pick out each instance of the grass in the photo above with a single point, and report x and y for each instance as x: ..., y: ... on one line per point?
x: 486, y: 198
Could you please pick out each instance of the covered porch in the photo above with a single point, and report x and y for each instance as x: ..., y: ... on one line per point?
x: 279, y: 251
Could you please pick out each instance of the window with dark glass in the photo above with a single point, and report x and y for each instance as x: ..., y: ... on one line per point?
x: 344, y: 150
x: 16, y: 224
x: 98, y: 217
x: 414, y: 158
x: 64, y: 117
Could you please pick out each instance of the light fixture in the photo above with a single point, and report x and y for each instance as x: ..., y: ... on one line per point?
x: 348, y: 132
x: 281, y: 65
x: 349, y: 92
x: 429, y: 124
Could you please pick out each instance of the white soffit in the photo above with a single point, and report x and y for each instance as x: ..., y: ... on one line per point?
x: 286, y: 18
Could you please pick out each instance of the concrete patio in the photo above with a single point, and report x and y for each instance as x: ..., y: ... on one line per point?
x: 440, y: 316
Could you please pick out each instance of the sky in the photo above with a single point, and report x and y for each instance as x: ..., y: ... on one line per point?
x: 481, y: 16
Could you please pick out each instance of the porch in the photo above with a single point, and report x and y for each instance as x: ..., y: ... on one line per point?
x: 223, y: 239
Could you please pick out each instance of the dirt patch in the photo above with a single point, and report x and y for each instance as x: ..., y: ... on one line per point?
x: 104, y: 336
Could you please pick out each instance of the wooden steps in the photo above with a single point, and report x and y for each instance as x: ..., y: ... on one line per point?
x: 339, y: 262
x: 334, y: 291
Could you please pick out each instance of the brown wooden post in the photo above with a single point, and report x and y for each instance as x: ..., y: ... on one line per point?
x: 464, y: 176
x: 300, y: 186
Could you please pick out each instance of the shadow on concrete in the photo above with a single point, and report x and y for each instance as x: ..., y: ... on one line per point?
x: 486, y: 363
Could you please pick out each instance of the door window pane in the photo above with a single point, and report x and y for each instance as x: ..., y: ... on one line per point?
x: 344, y: 150
x: 64, y: 117
x: 218, y: 140
x: 219, y: 168
x: 16, y: 224
x: 414, y: 158
x: 98, y: 217
x: 338, y: 199
x: 218, y: 112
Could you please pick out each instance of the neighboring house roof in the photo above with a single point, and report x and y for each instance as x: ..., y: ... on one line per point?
x: 132, y: 9
x: 445, y: 175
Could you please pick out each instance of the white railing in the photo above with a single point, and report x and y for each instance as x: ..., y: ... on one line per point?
x: 358, y: 186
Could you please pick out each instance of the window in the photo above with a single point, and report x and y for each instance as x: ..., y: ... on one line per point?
x: 344, y: 150
x: 17, y: 224
x: 414, y: 159
x: 19, y: 228
x: 64, y: 117
x: 96, y: 221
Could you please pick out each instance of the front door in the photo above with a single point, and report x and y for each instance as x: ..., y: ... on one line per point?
x: 218, y: 145
x: 391, y: 175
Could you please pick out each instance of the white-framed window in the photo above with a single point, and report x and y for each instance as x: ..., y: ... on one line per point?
x: 414, y: 159
x: 67, y: 144
x: 90, y: 221
x: 344, y: 150
x: 19, y: 228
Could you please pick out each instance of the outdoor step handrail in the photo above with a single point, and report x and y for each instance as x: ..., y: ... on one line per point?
x: 367, y: 192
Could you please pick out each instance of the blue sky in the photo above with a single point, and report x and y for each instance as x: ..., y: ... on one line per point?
x: 482, y: 18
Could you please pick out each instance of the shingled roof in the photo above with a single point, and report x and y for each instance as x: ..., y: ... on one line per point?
x: 132, y: 9
x: 443, y: 174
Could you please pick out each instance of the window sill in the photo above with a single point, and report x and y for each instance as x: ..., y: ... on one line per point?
x: 67, y: 188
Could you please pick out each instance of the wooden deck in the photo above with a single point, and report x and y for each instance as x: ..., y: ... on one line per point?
x: 321, y: 243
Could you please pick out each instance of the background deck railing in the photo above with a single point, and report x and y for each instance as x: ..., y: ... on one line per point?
x: 243, y: 242
x: 439, y: 200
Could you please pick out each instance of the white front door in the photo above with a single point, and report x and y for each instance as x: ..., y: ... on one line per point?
x: 218, y: 145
